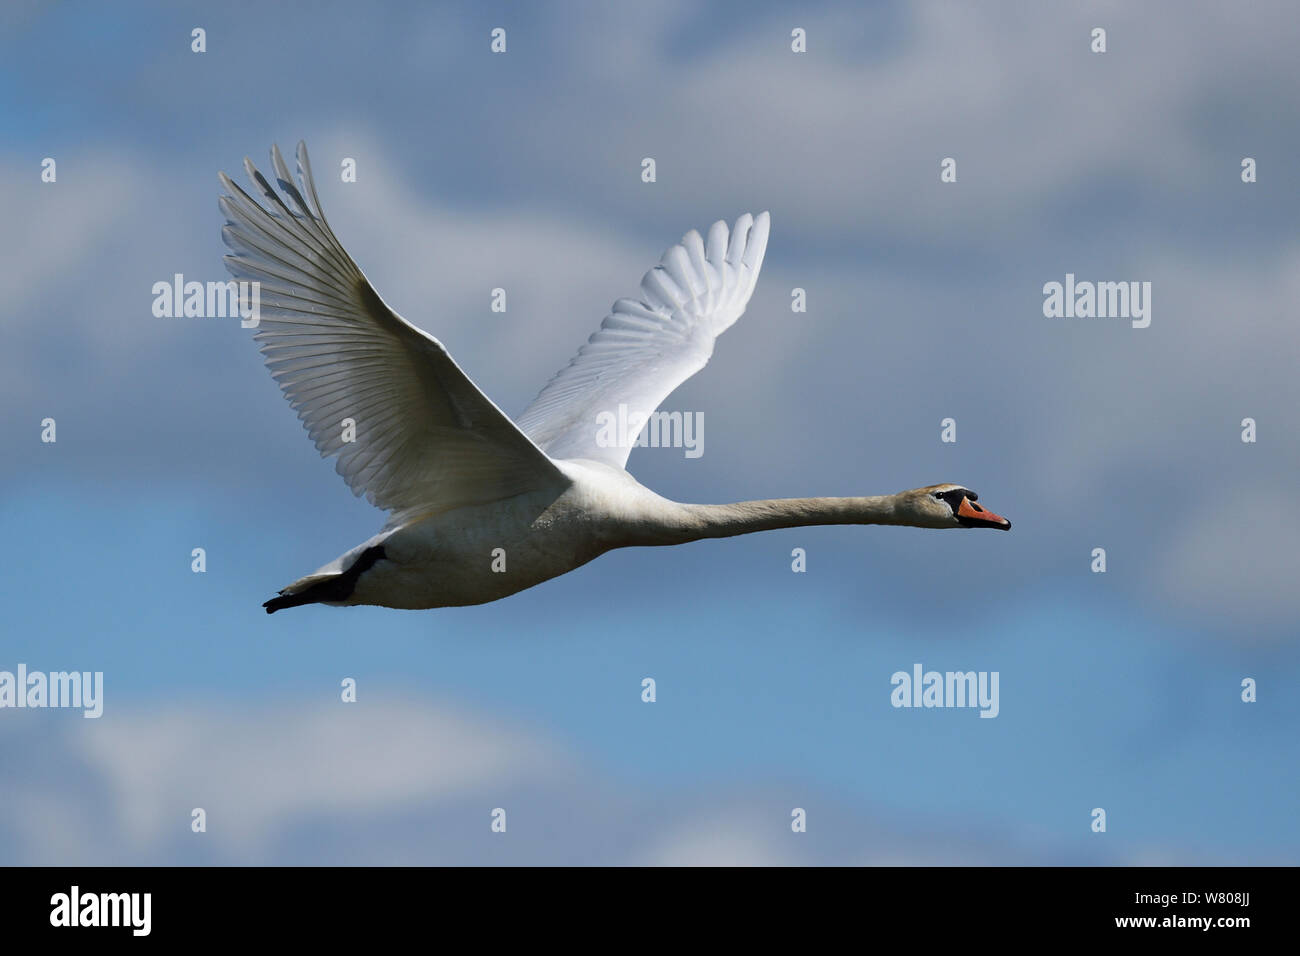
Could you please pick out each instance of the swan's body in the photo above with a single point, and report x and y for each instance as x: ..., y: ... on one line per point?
x: 481, y: 507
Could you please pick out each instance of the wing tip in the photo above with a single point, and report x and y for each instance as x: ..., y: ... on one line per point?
x: 756, y: 247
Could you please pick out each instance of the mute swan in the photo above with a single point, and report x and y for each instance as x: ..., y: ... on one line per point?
x: 481, y: 507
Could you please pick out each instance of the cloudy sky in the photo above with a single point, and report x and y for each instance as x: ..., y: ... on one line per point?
x: 522, y: 170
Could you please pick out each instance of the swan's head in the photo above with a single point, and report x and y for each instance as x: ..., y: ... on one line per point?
x: 951, y: 506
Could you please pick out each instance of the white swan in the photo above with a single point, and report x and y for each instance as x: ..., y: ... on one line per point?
x: 470, y: 492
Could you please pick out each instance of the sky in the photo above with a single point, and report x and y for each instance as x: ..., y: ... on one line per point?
x: 522, y: 170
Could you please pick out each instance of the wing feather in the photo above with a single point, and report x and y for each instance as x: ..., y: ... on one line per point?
x: 426, y: 439
x: 645, y: 348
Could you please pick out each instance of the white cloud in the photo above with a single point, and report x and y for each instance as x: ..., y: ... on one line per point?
x: 256, y: 771
x: 299, y: 781
x: 1010, y: 90
x: 735, y: 836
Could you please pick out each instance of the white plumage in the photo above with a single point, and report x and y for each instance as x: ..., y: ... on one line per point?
x: 645, y: 348
x: 460, y: 480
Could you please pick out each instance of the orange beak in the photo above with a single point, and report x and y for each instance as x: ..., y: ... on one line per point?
x: 973, y: 516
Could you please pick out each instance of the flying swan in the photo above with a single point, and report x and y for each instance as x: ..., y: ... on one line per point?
x: 467, y: 490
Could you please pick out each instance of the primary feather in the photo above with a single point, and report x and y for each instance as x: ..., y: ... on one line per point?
x: 426, y: 440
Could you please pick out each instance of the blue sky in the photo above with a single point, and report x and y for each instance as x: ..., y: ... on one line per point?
x: 1118, y: 690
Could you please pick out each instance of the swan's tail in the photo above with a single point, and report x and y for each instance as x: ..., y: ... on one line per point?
x: 325, y: 588
x: 308, y: 596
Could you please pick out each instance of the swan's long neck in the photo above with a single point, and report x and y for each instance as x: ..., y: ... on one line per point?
x: 723, y: 521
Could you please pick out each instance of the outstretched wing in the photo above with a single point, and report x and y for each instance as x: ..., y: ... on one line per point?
x: 645, y: 348
x: 425, y: 439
